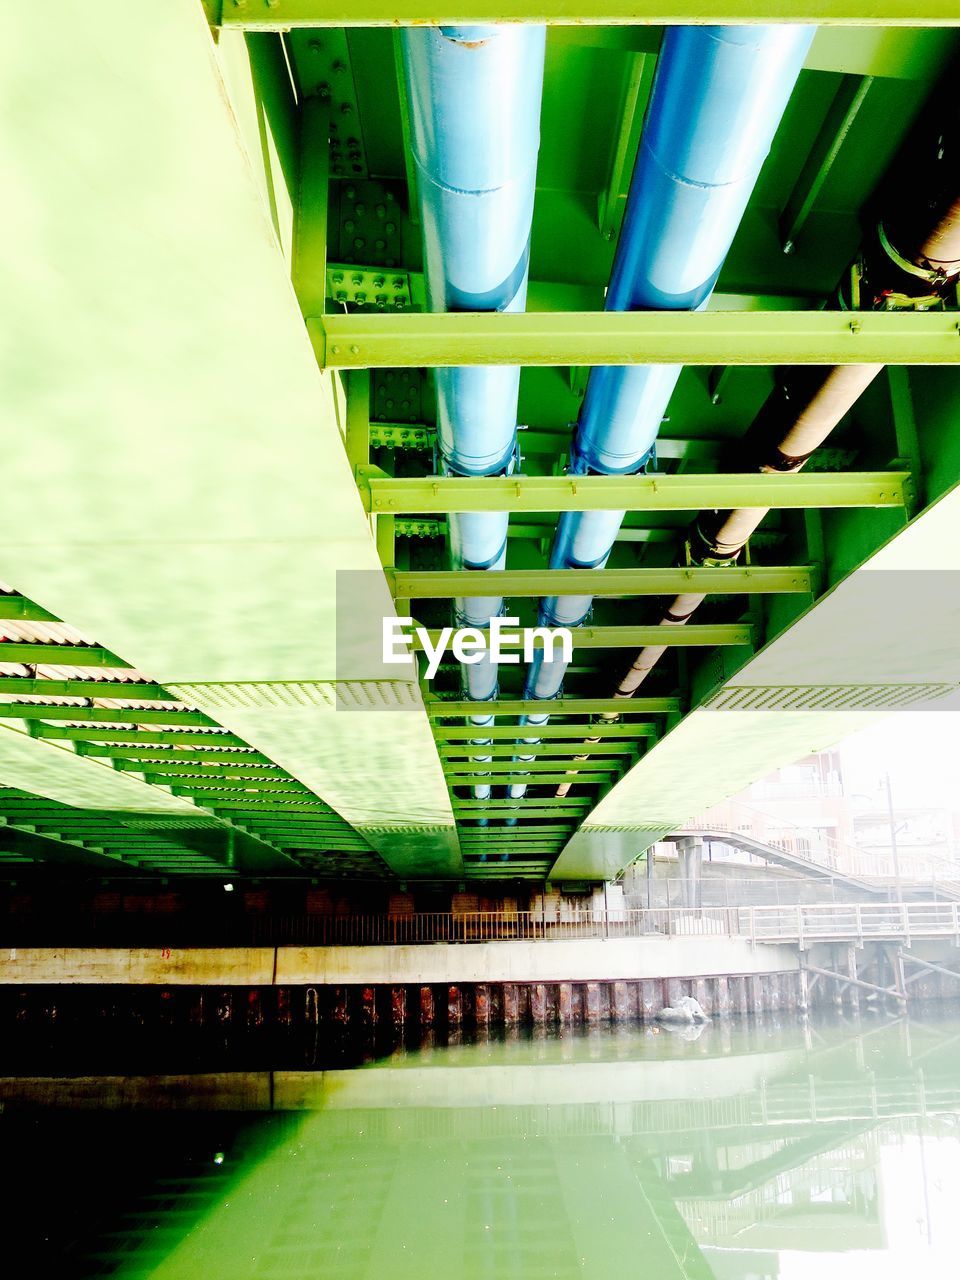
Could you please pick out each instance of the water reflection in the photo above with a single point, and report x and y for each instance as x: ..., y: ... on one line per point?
x: 749, y: 1152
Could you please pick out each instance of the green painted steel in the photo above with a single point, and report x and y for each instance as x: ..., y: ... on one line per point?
x: 120, y: 736
x: 459, y: 751
x: 496, y: 767
x: 103, y: 715
x: 279, y: 15
x: 27, y: 686
x: 202, y: 768
x: 446, y: 733
x: 691, y: 636
x: 447, y: 584
x: 214, y: 569
x: 59, y: 655
x: 558, y: 707
x: 436, y: 495
x: 632, y: 337
x: 169, y: 749
x: 24, y: 610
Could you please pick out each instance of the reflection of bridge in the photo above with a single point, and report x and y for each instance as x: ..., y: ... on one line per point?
x: 699, y: 1148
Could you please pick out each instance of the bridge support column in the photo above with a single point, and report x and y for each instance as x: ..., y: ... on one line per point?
x: 481, y: 1005
x: 690, y: 856
x: 853, y: 993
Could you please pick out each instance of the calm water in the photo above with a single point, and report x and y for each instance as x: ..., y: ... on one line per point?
x: 750, y: 1151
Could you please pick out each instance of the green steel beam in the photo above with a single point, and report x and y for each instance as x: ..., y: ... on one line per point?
x: 541, y: 834
x: 23, y: 610
x: 281, y: 15
x: 689, y: 636
x: 162, y: 754
x: 463, y: 750
x: 417, y: 340
x: 234, y: 803
x: 448, y: 584
x: 547, y: 805
x: 27, y: 687
x: 478, y: 770
x: 558, y: 707
x: 201, y: 769
x: 638, y: 82
x: 103, y: 715
x: 232, y: 792
x: 438, y: 495
x: 849, y: 98
x: 505, y: 732
x: 58, y: 655
x: 547, y: 779
x: 120, y: 736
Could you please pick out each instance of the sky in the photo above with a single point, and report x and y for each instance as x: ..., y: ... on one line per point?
x: 921, y: 750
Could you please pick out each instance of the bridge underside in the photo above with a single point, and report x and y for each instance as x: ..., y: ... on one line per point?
x: 219, y: 393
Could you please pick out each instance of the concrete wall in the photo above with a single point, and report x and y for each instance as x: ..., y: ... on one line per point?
x: 569, y: 961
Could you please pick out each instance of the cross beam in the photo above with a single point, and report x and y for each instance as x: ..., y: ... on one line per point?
x: 439, y: 495
x: 418, y: 340
x: 448, y: 584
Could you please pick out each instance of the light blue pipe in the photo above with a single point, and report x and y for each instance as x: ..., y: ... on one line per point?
x: 474, y: 98
x: 717, y: 100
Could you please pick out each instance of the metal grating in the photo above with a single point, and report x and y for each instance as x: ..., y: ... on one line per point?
x: 258, y: 693
x: 838, y: 697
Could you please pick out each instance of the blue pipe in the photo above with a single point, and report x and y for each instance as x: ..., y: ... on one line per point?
x: 474, y: 97
x: 717, y: 100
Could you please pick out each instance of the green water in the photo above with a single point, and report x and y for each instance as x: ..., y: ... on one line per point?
x: 749, y: 1151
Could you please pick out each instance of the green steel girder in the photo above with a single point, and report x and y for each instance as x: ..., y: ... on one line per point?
x: 530, y: 766
x: 463, y: 750
x: 536, y: 830
x: 635, y: 337
x: 59, y: 655
x: 689, y: 636
x: 27, y: 687
x: 558, y: 707
x: 549, y: 805
x: 237, y: 787
x: 508, y: 732
x: 547, y: 779
x: 281, y: 15
x: 233, y: 802
x: 433, y: 495
x: 171, y: 752
x: 103, y: 715
x: 21, y: 609
x: 849, y: 99
x: 132, y: 736
x: 448, y: 584
x: 200, y: 769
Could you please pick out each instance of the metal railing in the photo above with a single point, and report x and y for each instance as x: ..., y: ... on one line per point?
x: 799, y: 923
x: 815, y: 845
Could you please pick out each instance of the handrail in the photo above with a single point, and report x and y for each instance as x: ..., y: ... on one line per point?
x: 842, y: 856
x: 797, y: 924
